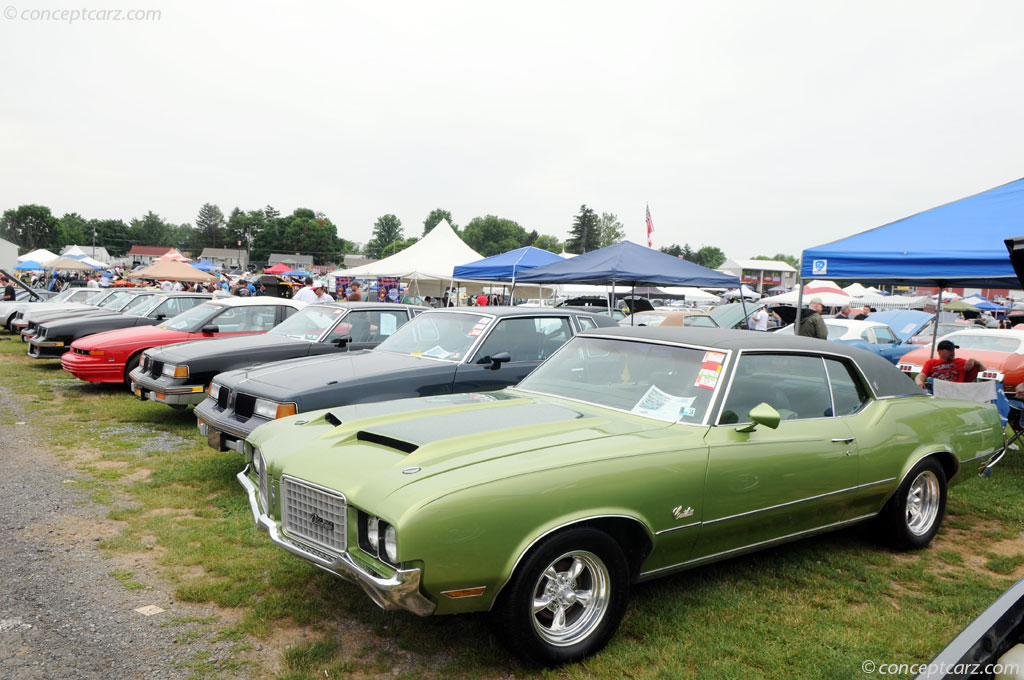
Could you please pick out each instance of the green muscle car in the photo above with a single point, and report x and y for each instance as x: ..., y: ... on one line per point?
x: 631, y: 453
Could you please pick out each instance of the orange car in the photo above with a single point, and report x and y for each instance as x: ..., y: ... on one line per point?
x: 1000, y: 351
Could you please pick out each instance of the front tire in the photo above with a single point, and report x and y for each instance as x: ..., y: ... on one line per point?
x: 129, y: 366
x: 566, y: 599
x: 913, y: 516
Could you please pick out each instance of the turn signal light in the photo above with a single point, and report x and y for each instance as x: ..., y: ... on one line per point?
x: 181, y: 371
x: 285, y: 410
x: 97, y: 353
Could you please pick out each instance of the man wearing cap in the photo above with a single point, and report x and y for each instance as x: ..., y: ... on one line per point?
x: 812, y: 325
x: 946, y: 366
x: 321, y: 294
x: 306, y: 294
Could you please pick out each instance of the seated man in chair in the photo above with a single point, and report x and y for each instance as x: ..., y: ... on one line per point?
x: 946, y: 366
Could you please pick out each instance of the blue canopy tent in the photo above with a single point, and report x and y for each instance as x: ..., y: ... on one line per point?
x: 28, y: 266
x: 205, y: 265
x: 295, y: 272
x: 957, y: 243
x: 632, y: 265
x: 506, y: 266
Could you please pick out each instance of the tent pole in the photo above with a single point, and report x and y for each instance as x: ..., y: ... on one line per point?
x: 743, y: 303
x: 935, y: 327
x: 633, y: 296
x: 611, y: 305
x: 799, y: 300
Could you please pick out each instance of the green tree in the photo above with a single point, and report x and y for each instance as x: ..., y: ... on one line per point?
x: 398, y: 246
x: 242, y: 227
x: 550, y: 243
x: 72, y: 229
x: 491, y: 235
x: 584, y: 235
x: 209, y: 222
x: 675, y: 250
x: 386, y: 230
x: 153, y: 230
x: 610, y: 231
x: 112, y: 235
x: 30, y: 226
x: 780, y: 257
x: 710, y: 257
x: 435, y: 217
x: 304, y: 231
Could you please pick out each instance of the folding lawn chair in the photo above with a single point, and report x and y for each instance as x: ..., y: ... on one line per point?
x: 988, y: 392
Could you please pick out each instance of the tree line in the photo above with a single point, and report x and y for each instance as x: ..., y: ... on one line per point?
x: 265, y: 230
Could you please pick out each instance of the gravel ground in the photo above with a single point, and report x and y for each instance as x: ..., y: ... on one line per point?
x: 61, y: 613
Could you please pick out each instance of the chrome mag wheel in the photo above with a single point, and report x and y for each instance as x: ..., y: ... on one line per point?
x: 571, y: 598
x: 923, y: 499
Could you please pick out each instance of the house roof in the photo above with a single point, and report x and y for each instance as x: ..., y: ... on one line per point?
x: 287, y: 258
x: 221, y: 252
x: 154, y: 251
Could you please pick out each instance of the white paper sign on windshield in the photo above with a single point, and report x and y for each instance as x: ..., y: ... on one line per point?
x: 661, y: 405
x: 387, y: 324
x: 436, y: 352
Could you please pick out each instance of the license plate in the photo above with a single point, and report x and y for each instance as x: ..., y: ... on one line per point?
x: 215, y: 439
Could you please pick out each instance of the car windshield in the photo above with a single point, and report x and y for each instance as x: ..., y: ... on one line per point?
x: 442, y: 335
x: 674, y: 384
x: 95, y: 298
x: 115, y: 300
x: 308, y: 324
x: 141, y: 304
x: 63, y: 295
x: 192, y: 319
x: 989, y: 343
x: 944, y: 329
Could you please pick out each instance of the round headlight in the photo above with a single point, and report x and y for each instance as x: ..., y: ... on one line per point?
x: 372, y: 533
x: 257, y: 462
x: 391, y: 544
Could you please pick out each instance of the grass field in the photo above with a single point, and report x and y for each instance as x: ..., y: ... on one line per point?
x: 812, y: 609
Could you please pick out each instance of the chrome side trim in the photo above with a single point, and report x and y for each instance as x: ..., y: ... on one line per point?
x: 401, y: 591
x: 979, y: 457
x: 802, y: 500
x: 748, y: 548
x: 685, y: 526
x: 534, y: 542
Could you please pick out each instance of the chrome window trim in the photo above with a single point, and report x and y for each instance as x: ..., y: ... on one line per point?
x: 798, y: 501
x: 528, y: 548
x: 646, y: 575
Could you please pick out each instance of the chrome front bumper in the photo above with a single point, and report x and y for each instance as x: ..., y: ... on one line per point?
x: 401, y: 591
x: 183, y: 395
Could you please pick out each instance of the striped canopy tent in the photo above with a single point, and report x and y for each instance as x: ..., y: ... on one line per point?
x: 172, y: 254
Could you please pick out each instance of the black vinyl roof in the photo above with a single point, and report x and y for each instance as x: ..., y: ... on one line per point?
x: 886, y: 380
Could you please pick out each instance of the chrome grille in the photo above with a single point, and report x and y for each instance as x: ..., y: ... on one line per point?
x: 313, y: 513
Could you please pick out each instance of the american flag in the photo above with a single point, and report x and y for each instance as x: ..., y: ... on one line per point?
x: 650, y: 226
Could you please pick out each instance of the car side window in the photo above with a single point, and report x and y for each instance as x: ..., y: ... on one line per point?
x: 700, y: 322
x: 848, y: 392
x: 370, y: 325
x: 527, y: 339
x: 795, y: 385
x: 884, y: 336
x: 866, y: 337
x: 245, y: 319
x: 174, y: 306
x: 586, y: 323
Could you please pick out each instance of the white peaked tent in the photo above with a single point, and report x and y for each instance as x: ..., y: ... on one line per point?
x: 39, y: 255
x: 432, y: 258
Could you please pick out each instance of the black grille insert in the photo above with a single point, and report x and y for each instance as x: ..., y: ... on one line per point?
x: 222, y: 397
x: 244, y: 405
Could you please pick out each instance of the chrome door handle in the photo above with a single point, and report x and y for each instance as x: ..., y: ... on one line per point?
x: 843, y: 440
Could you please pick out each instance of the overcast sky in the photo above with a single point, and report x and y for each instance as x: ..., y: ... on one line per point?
x: 757, y: 127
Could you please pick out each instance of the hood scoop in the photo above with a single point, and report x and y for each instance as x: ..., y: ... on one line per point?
x: 385, y: 440
x: 332, y: 419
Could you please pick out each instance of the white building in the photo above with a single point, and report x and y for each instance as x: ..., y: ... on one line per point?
x: 226, y: 257
x: 8, y: 255
x: 761, y: 274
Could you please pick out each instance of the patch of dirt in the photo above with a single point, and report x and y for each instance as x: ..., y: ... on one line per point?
x: 71, y: 530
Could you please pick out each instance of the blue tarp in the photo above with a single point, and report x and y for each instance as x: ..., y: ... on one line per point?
x: 205, y: 266
x: 959, y: 243
x: 506, y: 266
x: 29, y: 266
x: 627, y: 263
x: 295, y: 272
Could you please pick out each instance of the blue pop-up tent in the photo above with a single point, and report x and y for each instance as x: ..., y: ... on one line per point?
x: 205, y: 266
x: 506, y: 266
x: 629, y: 264
x: 959, y: 243
x: 28, y: 266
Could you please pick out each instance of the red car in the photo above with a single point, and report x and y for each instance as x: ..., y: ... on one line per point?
x: 1001, y: 351
x: 109, y: 357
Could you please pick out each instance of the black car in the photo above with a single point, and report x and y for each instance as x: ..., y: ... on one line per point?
x: 317, y: 329
x: 145, y: 308
x: 102, y: 303
x: 441, y: 351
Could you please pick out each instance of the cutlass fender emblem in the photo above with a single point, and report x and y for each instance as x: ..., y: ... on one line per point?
x: 679, y: 513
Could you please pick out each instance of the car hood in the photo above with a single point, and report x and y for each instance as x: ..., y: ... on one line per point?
x: 59, y: 307
x: 216, y: 347
x: 299, y: 375
x: 905, y: 323
x: 433, y: 445
x: 129, y: 336
x: 991, y: 360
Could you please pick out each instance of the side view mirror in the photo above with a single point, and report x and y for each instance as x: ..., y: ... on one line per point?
x: 498, y: 359
x: 210, y: 329
x: 762, y: 414
x: 341, y: 341
x: 161, y: 317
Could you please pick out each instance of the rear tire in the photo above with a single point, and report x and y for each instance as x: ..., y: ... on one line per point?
x: 566, y: 599
x: 914, y: 514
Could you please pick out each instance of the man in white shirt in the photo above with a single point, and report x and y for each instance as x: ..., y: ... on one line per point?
x: 306, y: 294
x: 759, y: 320
x: 176, y: 287
x: 321, y: 294
x: 104, y: 281
x: 91, y: 282
x: 166, y: 286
